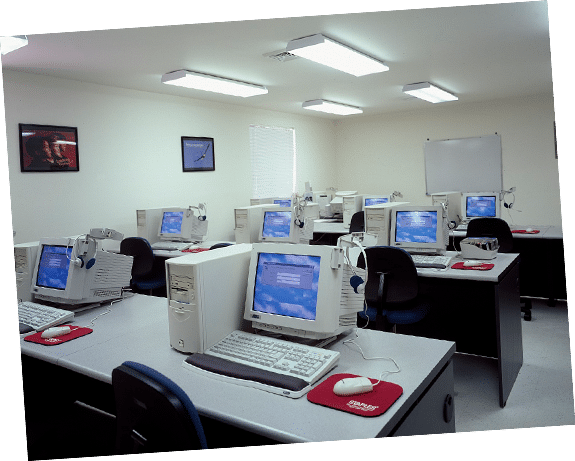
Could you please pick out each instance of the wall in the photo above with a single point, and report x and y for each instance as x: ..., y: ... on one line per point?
x: 130, y: 156
x: 390, y: 147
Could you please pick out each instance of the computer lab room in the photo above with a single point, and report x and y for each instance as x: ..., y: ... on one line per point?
x: 224, y: 237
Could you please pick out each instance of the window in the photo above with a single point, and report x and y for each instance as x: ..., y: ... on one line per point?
x: 273, y: 158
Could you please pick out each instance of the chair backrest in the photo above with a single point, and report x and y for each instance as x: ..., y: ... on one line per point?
x: 357, y: 223
x: 399, y: 276
x: 492, y: 227
x: 153, y: 414
x: 142, y: 252
x: 219, y: 245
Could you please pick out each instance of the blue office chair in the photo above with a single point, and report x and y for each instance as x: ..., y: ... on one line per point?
x: 148, y: 272
x: 220, y: 245
x: 498, y: 228
x: 153, y: 414
x: 392, y: 289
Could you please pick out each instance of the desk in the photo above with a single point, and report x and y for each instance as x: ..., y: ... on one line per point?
x: 327, y: 231
x: 137, y: 329
x: 542, y: 266
x: 478, y: 310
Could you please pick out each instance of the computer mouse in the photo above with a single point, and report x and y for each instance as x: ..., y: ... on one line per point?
x: 352, y: 386
x: 471, y: 263
x: 55, y: 331
x: 529, y: 229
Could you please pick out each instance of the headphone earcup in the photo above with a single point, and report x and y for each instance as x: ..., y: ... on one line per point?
x: 90, y: 263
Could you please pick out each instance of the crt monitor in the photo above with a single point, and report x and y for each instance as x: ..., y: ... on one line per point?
x: 73, y: 272
x: 419, y: 229
x: 176, y: 224
x: 278, y: 225
x: 283, y: 202
x: 369, y: 200
x: 480, y: 205
x: 300, y: 291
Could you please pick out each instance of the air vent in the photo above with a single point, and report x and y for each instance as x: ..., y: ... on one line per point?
x: 281, y: 56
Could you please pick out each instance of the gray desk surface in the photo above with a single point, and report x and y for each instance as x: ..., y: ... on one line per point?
x: 545, y: 232
x: 137, y: 329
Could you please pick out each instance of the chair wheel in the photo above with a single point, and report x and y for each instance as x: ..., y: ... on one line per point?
x: 527, y: 316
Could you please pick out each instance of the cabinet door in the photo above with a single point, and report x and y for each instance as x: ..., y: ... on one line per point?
x: 435, y: 411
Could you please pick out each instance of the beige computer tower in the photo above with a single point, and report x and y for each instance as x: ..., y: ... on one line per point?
x: 378, y: 220
x: 206, y: 296
x: 25, y: 258
x: 248, y: 221
x: 351, y: 205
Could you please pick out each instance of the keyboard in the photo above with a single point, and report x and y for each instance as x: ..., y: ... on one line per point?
x: 282, y: 367
x: 431, y: 261
x: 170, y: 246
x: 39, y: 317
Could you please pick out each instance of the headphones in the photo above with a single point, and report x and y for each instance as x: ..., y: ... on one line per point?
x: 201, y: 206
x: 88, y: 258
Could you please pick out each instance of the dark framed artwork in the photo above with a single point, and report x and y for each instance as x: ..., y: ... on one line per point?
x: 48, y: 148
x: 198, y: 154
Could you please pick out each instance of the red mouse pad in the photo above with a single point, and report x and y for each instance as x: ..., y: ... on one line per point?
x: 75, y: 332
x: 478, y: 267
x: 522, y: 231
x: 372, y: 403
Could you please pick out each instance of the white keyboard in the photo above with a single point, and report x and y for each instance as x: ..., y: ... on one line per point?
x: 40, y: 317
x: 275, y: 365
x: 170, y: 246
x: 431, y: 261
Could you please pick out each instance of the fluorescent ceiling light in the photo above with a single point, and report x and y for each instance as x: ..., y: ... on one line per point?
x: 207, y: 82
x: 8, y: 44
x: 428, y: 92
x: 328, y: 52
x: 329, y: 107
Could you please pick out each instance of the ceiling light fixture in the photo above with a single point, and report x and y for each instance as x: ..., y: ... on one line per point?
x: 429, y: 92
x: 328, y: 52
x: 8, y: 44
x: 330, y: 107
x: 206, y: 82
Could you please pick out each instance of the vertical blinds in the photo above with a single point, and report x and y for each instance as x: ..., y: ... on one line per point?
x: 273, y: 159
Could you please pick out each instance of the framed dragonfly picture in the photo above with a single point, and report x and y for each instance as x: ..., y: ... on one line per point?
x: 198, y: 154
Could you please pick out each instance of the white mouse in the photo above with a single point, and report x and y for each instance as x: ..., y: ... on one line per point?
x: 471, y: 263
x: 55, y: 331
x: 352, y: 386
x: 529, y: 229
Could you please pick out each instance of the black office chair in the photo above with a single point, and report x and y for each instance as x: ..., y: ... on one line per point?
x: 148, y: 272
x: 153, y: 414
x: 220, y: 245
x: 392, y: 289
x: 498, y: 228
x: 357, y: 223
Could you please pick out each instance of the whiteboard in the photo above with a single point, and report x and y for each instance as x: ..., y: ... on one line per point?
x: 463, y: 165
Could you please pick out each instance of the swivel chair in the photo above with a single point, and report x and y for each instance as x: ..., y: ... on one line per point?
x: 498, y: 228
x: 148, y: 272
x: 357, y: 223
x: 153, y: 414
x: 215, y: 246
x: 392, y: 289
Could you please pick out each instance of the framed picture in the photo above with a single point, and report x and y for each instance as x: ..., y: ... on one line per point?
x: 198, y: 154
x: 48, y: 148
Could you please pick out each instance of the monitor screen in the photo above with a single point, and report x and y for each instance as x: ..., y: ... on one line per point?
x: 287, y: 285
x: 283, y: 202
x: 172, y: 222
x: 375, y: 200
x: 53, y: 266
x: 483, y: 206
x: 277, y: 224
x: 416, y: 226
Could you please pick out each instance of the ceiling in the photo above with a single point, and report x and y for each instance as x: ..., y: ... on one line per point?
x: 479, y: 53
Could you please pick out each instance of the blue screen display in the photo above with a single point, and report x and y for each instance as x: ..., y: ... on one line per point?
x: 416, y: 226
x: 53, y: 267
x: 287, y: 285
x: 375, y: 200
x: 283, y: 202
x: 276, y: 224
x: 481, y: 206
x: 172, y: 222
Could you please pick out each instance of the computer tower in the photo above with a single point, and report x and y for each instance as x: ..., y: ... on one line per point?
x: 25, y: 260
x: 351, y: 205
x: 248, y: 221
x: 451, y: 202
x: 206, y: 296
x: 378, y: 220
x: 148, y: 223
